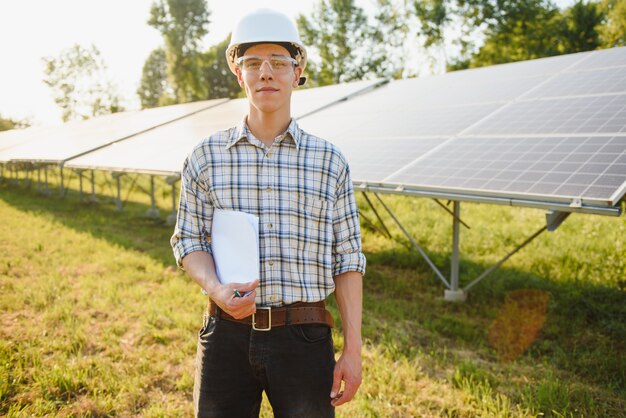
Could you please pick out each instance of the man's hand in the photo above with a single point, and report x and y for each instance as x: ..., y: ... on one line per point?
x: 349, y: 295
x: 348, y: 370
x: 237, y: 307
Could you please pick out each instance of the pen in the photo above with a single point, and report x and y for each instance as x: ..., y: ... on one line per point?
x: 237, y: 294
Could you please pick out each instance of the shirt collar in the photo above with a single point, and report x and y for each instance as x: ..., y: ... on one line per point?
x: 242, y: 131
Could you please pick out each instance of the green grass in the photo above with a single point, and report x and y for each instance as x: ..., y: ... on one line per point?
x: 96, y: 321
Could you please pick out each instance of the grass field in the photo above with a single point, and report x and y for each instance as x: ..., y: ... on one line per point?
x: 96, y: 321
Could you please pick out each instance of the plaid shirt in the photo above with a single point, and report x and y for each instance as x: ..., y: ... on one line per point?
x: 300, y: 188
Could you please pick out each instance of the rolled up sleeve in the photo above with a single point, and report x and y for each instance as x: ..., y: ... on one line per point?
x: 195, y: 212
x: 347, y: 251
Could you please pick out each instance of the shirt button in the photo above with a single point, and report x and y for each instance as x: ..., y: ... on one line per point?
x: 269, y: 226
x: 271, y: 263
x: 273, y: 298
x: 268, y: 155
x: 268, y: 189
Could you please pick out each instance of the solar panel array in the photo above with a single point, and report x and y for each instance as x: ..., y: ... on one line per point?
x: 549, y: 131
x: 163, y: 150
x: 59, y: 143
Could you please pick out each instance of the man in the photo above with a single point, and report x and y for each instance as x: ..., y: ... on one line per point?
x: 273, y: 333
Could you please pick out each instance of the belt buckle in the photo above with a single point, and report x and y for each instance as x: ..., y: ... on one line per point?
x: 269, y: 319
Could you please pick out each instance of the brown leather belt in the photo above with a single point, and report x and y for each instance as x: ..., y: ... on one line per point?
x: 266, y: 318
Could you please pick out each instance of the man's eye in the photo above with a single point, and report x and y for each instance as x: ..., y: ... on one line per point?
x: 278, y: 64
x: 253, y: 64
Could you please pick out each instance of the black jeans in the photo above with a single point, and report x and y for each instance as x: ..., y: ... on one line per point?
x: 294, y: 365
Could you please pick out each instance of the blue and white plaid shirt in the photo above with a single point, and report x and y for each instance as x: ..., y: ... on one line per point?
x: 300, y: 188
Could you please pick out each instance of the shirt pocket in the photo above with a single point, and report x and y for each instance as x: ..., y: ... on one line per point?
x: 310, y: 230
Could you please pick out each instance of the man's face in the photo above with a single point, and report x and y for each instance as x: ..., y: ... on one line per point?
x: 268, y: 90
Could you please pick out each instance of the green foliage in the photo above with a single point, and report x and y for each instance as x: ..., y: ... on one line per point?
x: 154, y: 89
x: 520, y: 31
x: 393, y: 19
x: 97, y: 320
x: 580, y: 29
x: 216, y: 74
x: 8, y: 123
x: 182, y: 23
x: 349, y: 47
x: 77, y: 78
x: 532, y: 29
x: 433, y: 15
x: 613, y: 32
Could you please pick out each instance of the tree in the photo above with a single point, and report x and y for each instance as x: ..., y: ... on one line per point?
x: 613, y: 33
x: 154, y: 89
x: 434, y: 17
x: 393, y: 20
x: 580, y: 32
x: 8, y: 123
x: 183, y: 23
x: 77, y: 78
x: 518, y: 31
x: 216, y: 74
x: 347, y: 45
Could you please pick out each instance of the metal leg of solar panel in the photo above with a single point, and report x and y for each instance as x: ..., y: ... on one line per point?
x: 79, y: 172
x: 454, y: 294
x: 46, y: 190
x: 12, y: 174
x: 153, y: 212
x: 499, y: 263
x: 415, y: 244
x: 93, y: 187
x: 369, y: 202
x: 118, y: 202
x: 444, y: 207
x: 61, y: 186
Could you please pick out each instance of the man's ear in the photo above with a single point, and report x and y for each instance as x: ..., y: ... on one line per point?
x: 239, y: 77
x: 297, y: 73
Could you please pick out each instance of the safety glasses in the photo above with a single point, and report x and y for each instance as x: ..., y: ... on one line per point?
x: 280, y: 64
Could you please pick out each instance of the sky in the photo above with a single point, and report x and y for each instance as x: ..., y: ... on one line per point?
x: 32, y: 29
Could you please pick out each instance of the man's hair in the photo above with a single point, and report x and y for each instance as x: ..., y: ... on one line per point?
x: 293, y: 50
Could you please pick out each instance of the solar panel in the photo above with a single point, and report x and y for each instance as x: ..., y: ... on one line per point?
x: 612, y: 57
x: 545, y: 132
x: 163, y: 150
x: 62, y: 142
x: 579, y: 115
x: 15, y: 137
x: 606, y: 80
x: 561, y: 168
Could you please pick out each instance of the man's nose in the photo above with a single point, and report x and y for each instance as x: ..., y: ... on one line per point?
x: 266, y: 70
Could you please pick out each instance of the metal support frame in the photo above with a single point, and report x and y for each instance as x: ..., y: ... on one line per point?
x: 61, y: 185
x: 415, y: 244
x: 46, y: 191
x: 38, y: 179
x: 118, y: 201
x: 79, y: 173
x: 454, y: 292
x: 506, y: 257
x: 153, y: 212
x: 386, y: 230
x: 93, y: 198
x: 444, y: 207
x: 13, y: 175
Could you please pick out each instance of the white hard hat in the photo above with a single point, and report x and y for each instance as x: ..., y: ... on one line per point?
x: 265, y: 26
